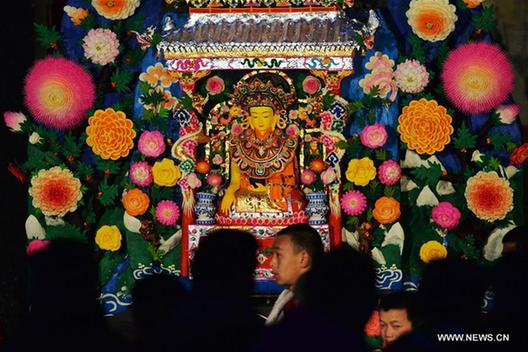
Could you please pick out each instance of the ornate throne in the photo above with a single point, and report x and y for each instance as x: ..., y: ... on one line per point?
x: 221, y: 56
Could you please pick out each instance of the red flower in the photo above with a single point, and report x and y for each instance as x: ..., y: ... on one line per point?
x: 519, y: 154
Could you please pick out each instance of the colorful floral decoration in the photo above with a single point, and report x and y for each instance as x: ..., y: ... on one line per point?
x: 165, y: 172
x: 108, y: 238
x: 311, y: 85
x: 76, y: 14
x: 389, y: 172
x: 374, y: 136
x: 55, y: 191
x: 110, y: 134
x: 141, y: 174
x: 381, y: 78
x: 425, y: 126
x: 477, y: 77
x: 156, y: 74
x: 353, y: 202
x: 167, y: 212
x: 136, y: 202
x: 151, y: 143
x: 361, y: 171
x: 508, y: 113
x: 431, y: 20
x: 307, y: 177
x: 115, y: 9
x: 431, y: 251
x: 489, y: 196
x: 519, y: 154
x: 411, y: 76
x: 445, y: 215
x: 101, y: 46
x: 386, y: 210
x: 58, y: 92
x: 215, y: 85
x: 14, y: 120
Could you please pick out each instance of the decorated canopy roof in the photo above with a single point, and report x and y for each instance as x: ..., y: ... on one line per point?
x: 321, y: 38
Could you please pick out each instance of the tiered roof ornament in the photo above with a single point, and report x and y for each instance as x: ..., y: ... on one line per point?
x: 313, y: 35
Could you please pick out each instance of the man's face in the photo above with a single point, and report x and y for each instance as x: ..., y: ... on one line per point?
x: 286, y: 264
x: 393, y: 324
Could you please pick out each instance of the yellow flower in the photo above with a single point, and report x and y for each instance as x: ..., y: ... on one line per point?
x: 156, y: 73
x: 361, y: 171
x: 425, y: 126
x: 431, y: 251
x: 108, y: 238
x: 76, y: 14
x: 431, y: 20
x: 165, y: 173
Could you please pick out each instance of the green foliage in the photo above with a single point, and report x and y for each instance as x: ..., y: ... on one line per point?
x: 47, y: 37
x: 161, y: 193
x: 418, y: 50
x: 66, y: 231
x: 485, y: 20
x: 38, y: 159
x: 428, y: 174
x: 120, y: 80
x: 110, y: 167
x: 71, y: 148
x: 464, y: 138
x: 500, y: 140
x: 107, y: 194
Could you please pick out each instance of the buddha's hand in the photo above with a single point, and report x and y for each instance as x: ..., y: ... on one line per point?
x: 258, y: 188
x: 227, y: 202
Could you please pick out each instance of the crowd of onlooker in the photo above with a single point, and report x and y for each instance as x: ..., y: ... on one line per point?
x: 327, y: 301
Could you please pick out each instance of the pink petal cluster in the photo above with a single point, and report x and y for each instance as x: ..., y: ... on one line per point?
x: 477, y: 77
x: 214, y: 85
x: 328, y: 176
x: 508, y: 113
x: 141, y: 174
x: 193, y: 181
x: 389, y: 172
x: 151, y: 143
x: 167, y: 212
x: 58, y: 92
x: 214, y: 179
x: 411, y: 76
x: 292, y: 130
x: 307, y: 177
x: 14, y: 120
x: 353, y: 202
x: 446, y: 216
x: 311, y: 85
x: 373, y: 136
x: 382, y: 76
x: 36, y: 246
x: 101, y: 46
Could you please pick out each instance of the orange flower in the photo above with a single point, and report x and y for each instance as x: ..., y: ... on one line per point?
x: 431, y: 20
x: 471, y: 4
x: 202, y: 167
x: 76, y: 14
x: 317, y: 165
x: 489, y: 196
x: 110, y: 134
x: 115, y: 9
x: 136, y: 202
x: 519, y: 154
x: 386, y: 210
x: 156, y: 73
x: 425, y: 126
x: 55, y: 191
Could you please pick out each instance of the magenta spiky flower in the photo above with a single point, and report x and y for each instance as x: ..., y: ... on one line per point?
x: 58, y: 92
x: 477, y: 77
x: 167, y: 212
x: 353, y: 202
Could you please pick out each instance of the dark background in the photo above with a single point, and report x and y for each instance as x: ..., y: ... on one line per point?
x: 18, y: 50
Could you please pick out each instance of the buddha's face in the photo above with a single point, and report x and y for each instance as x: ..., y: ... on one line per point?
x: 262, y: 118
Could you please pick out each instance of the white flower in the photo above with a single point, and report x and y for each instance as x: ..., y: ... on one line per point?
x: 101, y: 46
x: 35, y: 138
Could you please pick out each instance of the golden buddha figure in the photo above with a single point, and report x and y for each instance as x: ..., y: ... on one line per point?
x: 263, y: 168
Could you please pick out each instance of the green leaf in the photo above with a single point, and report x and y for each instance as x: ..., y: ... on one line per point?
x: 135, y: 23
x: 464, y: 138
x: 485, y: 20
x: 355, y: 106
x: 161, y: 193
x: 84, y: 170
x: 88, y: 22
x: 381, y: 154
x: 66, y: 231
x: 120, y: 80
x: 499, y: 140
x: 108, y: 193
x: 389, y: 191
x: 494, y: 163
x: 429, y: 174
x: 45, y: 36
x: 348, y: 186
x: 418, y: 50
x: 71, y: 148
x: 109, y: 166
x: 342, y: 144
x: 352, y: 222
x: 328, y: 100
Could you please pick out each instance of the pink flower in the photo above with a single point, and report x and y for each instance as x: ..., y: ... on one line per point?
x: 389, y: 172
x: 353, y: 202
x: 236, y: 129
x: 14, y: 120
x: 193, y: 181
x: 307, y: 177
x: 477, y: 77
x: 189, y: 148
x: 328, y: 176
x: 328, y: 142
x: 141, y: 174
x: 151, y: 143
x: 101, y: 46
x: 446, y: 215
x: 373, y: 136
x: 36, y: 246
x: 215, y: 85
x: 167, y: 212
x: 508, y: 113
x: 326, y: 119
x: 411, y: 76
x: 311, y: 85
x: 292, y: 130
x: 217, y: 159
x: 214, y: 179
x: 384, y: 82
x: 59, y: 92
x: 380, y: 62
